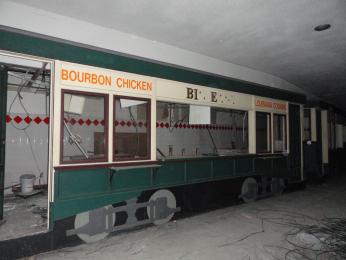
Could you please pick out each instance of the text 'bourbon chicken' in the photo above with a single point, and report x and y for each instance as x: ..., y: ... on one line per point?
x: 134, y: 84
x: 85, y: 77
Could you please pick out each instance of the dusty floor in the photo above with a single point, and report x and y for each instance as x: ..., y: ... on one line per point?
x: 259, y: 230
x: 23, y: 216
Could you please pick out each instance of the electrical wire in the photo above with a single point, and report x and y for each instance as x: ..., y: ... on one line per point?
x: 20, y: 97
x: 329, y: 235
x: 173, y: 124
x: 137, y: 132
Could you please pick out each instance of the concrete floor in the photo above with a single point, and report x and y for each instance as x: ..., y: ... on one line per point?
x: 20, y: 217
x: 257, y: 230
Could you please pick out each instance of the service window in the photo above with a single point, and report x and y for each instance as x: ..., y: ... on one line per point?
x: 84, y: 127
x: 307, y: 124
x: 185, y: 130
x: 263, y: 132
x: 279, y: 133
x: 131, y: 129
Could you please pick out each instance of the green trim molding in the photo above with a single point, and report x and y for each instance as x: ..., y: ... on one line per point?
x: 53, y: 48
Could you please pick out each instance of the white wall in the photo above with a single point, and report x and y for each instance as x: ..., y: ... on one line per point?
x: 191, y: 138
x: 38, y: 21
x: 19, y: 158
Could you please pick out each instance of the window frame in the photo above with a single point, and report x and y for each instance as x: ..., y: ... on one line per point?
x: 310, y: 125
x: 106, y: 126
x: 148, y: 157
x: 286, y: 132
x: 270, y: 139
x: 248, y: 125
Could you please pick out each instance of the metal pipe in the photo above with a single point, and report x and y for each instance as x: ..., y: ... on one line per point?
x: 74, y: 140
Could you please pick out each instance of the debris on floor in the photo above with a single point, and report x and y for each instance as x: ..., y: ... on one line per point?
x: 291, y: 226
x: 24, y: 216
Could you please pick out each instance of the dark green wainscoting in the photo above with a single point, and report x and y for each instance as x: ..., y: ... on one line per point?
x: 80, y: 190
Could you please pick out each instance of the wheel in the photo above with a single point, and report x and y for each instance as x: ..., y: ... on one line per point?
x: 93, y: 225
x: 171, y: 203
x: 247, y: 194
x: 277, y: 186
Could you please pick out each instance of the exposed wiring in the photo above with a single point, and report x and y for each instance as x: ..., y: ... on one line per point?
x: 326, y: 237
x: 172, y: 123
x: 20, y: 98
x: 137, y: 132
x: 213, y: 142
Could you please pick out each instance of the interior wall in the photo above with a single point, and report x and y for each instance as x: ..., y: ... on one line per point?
x: 191, y: 140
x: 90, y: 121
x: 19, y: 157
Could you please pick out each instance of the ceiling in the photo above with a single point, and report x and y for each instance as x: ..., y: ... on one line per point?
x: 272, y: 36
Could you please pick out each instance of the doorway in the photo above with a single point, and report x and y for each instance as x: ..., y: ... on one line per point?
x: 25, y: 90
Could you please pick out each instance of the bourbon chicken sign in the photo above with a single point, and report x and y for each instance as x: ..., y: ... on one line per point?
x: 78, y: 75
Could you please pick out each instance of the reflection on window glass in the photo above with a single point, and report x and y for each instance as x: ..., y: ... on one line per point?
x: 83, y: 128
x: 131, y: 129
x: 307, y: 124
x: 279, y: 129
x: 263, y: 133
x: 180, y: 135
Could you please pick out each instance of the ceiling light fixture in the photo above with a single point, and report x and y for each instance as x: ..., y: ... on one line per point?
x: 322, y: 27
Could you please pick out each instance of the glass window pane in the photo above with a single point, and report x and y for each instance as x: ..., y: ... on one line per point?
x: 279, y: 128
x: 307, y: 124
x: 84, y: 128
x: 131, y: 129
x: 225, y: 134
x: 263, y: 132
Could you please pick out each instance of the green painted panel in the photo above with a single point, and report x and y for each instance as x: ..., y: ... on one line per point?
x: 169, y: 174
x: 198, y: 170
x: 223, y: 168
x: 263, y: 166
x: 243, y: 166
x: 75, y: 183
x: 280, y: 163
x: 66, y: 208
x: 80, y: 190
x: 132, y: 179
x: 16, y: 42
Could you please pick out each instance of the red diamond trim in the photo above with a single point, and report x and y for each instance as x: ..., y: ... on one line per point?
x: 17, y: 119
x: 46, y: 120
x: 37, y: 120
x: 8, y: 119
x: 88, y: 122
x: 81, y: 121
x: 73, y: 121
x: 96, y: 122
x: 28, y: 120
